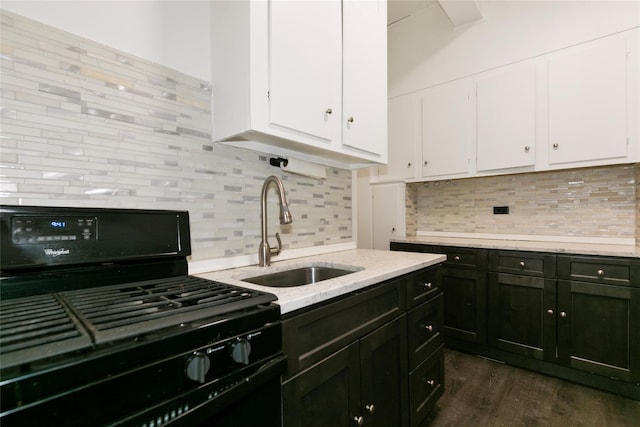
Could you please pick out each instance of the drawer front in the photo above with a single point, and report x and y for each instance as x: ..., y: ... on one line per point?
x: 523, y: 263
x: 410, y: 247
x: 463, y: 257
x: 425, y: 330
x: 424, y: 285
x: 311, y: 336
x: 426, y: 385
x: 614, y: 271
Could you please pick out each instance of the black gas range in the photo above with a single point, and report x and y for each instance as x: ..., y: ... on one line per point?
x: 100, y: 324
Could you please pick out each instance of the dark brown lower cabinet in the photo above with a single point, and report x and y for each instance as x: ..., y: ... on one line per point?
x: 465, y: 304
x: 599, y: 329
x: 522, y: 315
x: 366, y: 382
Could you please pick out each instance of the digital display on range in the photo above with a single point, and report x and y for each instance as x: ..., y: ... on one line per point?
x: 26, y: 230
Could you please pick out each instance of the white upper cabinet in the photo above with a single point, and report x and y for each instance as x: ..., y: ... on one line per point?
x: 447, y: 129
x: 405, y: 116
x: 588, y: 103
x: 299, y: 78
x: 506, y: 114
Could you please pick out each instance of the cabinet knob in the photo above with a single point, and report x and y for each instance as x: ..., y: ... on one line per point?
x: 456, y: 258
x: 350, y: 120
x: 393, y: 229
x: 359, y: 421
x: 428, y: 328
x: 328, y: 111
x: 527, y: 148
x: 426, y: 163
x: 550, y: 311
x: 370, y: 408
x: 563, y: 314
x: 600, y: 273
x: 409, y: 164
x: 430, y: 382
x: 522, y: 264
x: 555, y: 146
x: 428, y: 285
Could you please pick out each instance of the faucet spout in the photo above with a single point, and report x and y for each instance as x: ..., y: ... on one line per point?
x: 264, y: 251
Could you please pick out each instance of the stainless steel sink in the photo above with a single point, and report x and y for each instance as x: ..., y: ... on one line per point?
x: 299, y: 276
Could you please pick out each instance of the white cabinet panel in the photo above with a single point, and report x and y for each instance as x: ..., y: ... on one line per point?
x: 364, y: 118
x: 588, y: 103
x: 447, y: 129
x: 305, y: 67
x: 404, y: 137
x: 388, y: 207
x: 506, y: 114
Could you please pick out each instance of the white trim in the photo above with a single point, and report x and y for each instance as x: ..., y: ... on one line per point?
x: 532, y: 238
x: 216, y: 264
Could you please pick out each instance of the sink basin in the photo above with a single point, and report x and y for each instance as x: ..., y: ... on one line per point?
x: 299, y: 276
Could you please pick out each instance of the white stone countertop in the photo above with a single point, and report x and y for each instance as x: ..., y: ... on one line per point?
x: 584, y: 248
x: 373, y: 267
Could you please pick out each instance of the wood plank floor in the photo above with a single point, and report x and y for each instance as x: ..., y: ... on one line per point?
x: 480, y: 392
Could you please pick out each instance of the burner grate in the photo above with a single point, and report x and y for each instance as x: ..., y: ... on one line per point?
x: 33, y: 327
x: 130, y: 309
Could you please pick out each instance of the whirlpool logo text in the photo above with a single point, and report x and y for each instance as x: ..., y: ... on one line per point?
x: 56, y: 252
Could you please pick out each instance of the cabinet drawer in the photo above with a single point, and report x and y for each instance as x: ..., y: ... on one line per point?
x: 614, y: 271
x: 425, y: 328
x: 411, y: 247
x: 426, y: 385
x: 523, y: 263
x: 463, y: 257
x: 314, y: 335
x: 424, y: 285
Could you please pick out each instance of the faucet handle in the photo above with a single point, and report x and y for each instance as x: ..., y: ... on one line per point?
x: 276, y: 251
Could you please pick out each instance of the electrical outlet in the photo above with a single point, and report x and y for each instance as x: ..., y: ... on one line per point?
x: 501, y: 210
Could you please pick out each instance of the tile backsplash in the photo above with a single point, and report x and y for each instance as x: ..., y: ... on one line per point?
x: 83, y: 124
x: 589, y: 202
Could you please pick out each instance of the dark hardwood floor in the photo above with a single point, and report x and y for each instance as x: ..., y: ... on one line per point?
x: 480, y: 392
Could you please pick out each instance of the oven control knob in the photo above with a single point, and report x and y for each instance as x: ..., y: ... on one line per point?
x: 240, y: 351
x: 197, y: 367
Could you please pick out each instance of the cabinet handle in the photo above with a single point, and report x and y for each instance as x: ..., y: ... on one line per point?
x: 430, y: 382
x: 522, y: 264
x: 359, y: 421
x: 393, y: 229
x: 550, y: 311
x: 563, y: 314
x: 428, y: 285
x: 527, y: 148
x: 456, y: 258
x: 409, y: 164
x: 426, y: 163
x: 555, y: 146
x: 600, y: 273
x: 350, y: 120
x: 429, y: 328
x: 371, y: 408
x: 328, y: 111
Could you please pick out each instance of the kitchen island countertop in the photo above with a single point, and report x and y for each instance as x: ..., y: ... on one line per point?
x: 374, y: 267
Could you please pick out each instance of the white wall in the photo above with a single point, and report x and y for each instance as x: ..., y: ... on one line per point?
x: 425, y: 49
x: 174, y: 33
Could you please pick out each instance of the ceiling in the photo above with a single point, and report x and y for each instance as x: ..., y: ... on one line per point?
x: 400, y: 9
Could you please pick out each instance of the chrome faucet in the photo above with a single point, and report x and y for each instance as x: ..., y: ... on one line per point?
x: 264, y: 251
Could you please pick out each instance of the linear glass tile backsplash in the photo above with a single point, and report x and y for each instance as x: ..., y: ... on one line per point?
x: 83, y: 124
x: 589, y: 202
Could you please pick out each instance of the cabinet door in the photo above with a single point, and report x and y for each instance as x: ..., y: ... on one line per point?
x: 364, y: 118
x: 522, y: 315
x: 388, y: 213
x: 506, y: 111
x: 327, y: 394
x: 599, y: 329
x: 588, y: 103
x: 384, y: 395
x: 404, y: 137
x: 447, y: 129
x: 465, y: 305
x: 305, y: 67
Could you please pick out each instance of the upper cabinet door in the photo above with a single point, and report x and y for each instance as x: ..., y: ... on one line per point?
x: 506, y: 113
x: 447, y: 129
x: 364, y: 121
x: 404, y: 136
x: 588, y: 103
x: 305, y: 67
